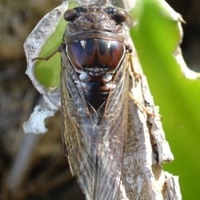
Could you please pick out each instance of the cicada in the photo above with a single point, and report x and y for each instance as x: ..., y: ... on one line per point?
x: 95, y: 84
x: 94, y: 95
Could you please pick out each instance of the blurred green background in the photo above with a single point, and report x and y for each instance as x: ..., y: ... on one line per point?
x: 156, y: 37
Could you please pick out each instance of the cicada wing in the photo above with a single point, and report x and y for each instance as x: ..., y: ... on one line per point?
x: 112, y: 133
x: 77, y: 130
x: 95, y: 150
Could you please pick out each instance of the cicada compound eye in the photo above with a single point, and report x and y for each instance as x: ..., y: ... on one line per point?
x: 120, y: 16
x: 70, y: 15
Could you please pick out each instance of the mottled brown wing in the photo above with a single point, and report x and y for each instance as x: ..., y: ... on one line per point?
x: 95, y: 150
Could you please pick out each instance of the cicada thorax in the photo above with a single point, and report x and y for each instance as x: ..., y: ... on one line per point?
x: 95, y: 47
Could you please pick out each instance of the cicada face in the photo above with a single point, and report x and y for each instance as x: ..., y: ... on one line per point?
x: 95, y: 83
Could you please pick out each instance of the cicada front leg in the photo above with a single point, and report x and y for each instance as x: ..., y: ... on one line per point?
x: 59, y: 49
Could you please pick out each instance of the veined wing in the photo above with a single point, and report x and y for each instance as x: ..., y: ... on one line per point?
x: 113, y: 133
x: 95, y: 148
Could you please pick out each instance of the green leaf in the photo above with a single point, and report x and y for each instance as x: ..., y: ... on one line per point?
x: 156, y: 36
x: 48, y: 72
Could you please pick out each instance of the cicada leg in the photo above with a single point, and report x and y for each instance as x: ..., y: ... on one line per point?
x: 144, y: 108
x: 133, y: 73
x: 59, y: 49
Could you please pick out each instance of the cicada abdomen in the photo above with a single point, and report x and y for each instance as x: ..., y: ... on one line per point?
x: 94, y: 85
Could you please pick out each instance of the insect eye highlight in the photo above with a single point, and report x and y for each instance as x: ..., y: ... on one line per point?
x: 80, y: 9
x: 117, y: 14
x: 110, y: 10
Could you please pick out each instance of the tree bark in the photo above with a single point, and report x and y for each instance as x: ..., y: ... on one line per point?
x: 146, y: 148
